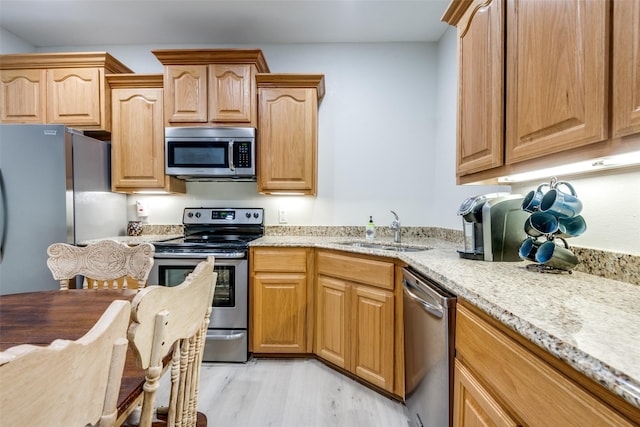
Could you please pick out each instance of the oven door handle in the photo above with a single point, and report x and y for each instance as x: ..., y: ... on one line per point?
x: 226, y: 337
x: 200, y: 255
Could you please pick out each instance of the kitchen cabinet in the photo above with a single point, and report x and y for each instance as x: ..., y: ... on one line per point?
x: 473, y: 405
x: 480, y: 87
x: 626, y: 68
x: 502, y: 379
x: 356, y: 317
x: 60, y: 88
x: 281, y: 300
x: 137, y: 138
x: 556, y: 97
x: 211, y: 86
x: 556, y: 76
x: 287, y: 132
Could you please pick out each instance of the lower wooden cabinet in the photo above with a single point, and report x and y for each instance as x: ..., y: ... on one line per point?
x: 280, y: 301
x: 473, y: 405
x: 355, y: 316
x: 333, y: 300
x: 503, y: 380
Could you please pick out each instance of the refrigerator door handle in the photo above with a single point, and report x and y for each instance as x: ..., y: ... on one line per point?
x: 3, y: 217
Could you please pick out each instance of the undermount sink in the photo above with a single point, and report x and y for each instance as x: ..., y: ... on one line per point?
x: 385, y: 247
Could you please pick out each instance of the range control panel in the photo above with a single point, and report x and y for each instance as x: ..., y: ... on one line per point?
x: 223, y: 216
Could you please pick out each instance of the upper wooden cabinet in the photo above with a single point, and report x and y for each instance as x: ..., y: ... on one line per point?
x: 557, y: 98
x: 556, y: 76
x: 62, y: 88
x: 288, y: 132
x: 137, y: 138
x: 211, y: 86
x: 480, y: 87
x: 626, y: 68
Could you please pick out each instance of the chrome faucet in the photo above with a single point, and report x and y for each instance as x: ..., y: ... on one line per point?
x: 395, y: 226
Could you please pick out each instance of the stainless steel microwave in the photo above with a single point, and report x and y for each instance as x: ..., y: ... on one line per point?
x: 211, y: 153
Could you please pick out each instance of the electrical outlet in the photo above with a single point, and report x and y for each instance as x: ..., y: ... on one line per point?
x: 282, y: 216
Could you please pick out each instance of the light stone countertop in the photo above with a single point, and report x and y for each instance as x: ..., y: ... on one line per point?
x: 591, y: 323
x: 135, y: 240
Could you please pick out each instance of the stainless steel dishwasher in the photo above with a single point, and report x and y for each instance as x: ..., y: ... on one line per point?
x: 429, y: 325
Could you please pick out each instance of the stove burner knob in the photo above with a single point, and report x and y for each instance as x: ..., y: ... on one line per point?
x: 190, y: 214
x: 255, y: 215
x: 198, y: 214
x: 248, y: 215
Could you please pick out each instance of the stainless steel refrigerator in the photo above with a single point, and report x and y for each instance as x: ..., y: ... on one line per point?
x: 55, y: 186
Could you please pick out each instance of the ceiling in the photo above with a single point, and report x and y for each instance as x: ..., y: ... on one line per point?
x: 51, y: 23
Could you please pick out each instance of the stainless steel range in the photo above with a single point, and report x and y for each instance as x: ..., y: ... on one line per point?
x: 224, y: 233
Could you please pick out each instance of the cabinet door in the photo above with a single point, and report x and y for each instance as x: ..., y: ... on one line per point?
x: 373, y: 335
x: 473, y: 405
x: 279, y: 310
x: 332, y: 308
x: 230, y: 93
x: 185, y: 93
x: 137, y: 139
x: 480, y: 87
x: 557, y: 83
x: 23, y: 96
x: 74, y: 96
x: 524, y: 382
x: 287, y: 134
x: 626, y: 68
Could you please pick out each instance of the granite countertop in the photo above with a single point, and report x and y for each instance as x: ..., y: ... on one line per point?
x: 135, y: 240
x: 589, y: 322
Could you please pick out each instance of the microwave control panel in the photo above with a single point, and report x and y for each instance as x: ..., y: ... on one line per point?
x: 242, y: 154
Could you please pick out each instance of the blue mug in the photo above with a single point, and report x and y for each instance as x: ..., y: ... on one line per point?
x: 531, y: 202
x: 529, y: 248
x: 552, y: 255
x: 540, y: 223
x: 571, y: 227
x: 561, y: 204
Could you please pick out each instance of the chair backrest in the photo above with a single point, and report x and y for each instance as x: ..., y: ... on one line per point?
x: 67, y: 383
x: 173, y: 319
x: 103, y: 264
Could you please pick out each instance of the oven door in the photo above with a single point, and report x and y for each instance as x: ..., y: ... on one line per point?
x: 227, y: 339
x: 231, y: 297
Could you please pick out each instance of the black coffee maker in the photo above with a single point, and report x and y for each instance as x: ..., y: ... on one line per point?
x: 493, y: 226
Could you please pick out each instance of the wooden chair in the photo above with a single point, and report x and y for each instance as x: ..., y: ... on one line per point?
x: 67, y: 383
x: 103, y: 264
x: 173, y: 320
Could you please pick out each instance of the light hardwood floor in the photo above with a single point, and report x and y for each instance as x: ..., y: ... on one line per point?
x: 291, y: 393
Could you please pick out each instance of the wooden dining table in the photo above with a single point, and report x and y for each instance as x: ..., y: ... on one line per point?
x: 41, y: 317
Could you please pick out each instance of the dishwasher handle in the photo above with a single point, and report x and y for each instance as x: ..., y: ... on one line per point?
x: 432, y: 297
x: 431, y: 307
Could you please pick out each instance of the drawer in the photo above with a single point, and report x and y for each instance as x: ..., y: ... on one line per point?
x: 536, y: 391
x: 280, y: 259
x: 356, y: 269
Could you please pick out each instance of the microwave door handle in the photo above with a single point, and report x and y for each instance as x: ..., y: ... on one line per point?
x: 232, y: 167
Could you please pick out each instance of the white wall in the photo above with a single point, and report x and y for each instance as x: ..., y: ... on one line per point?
x: 9, y: 43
